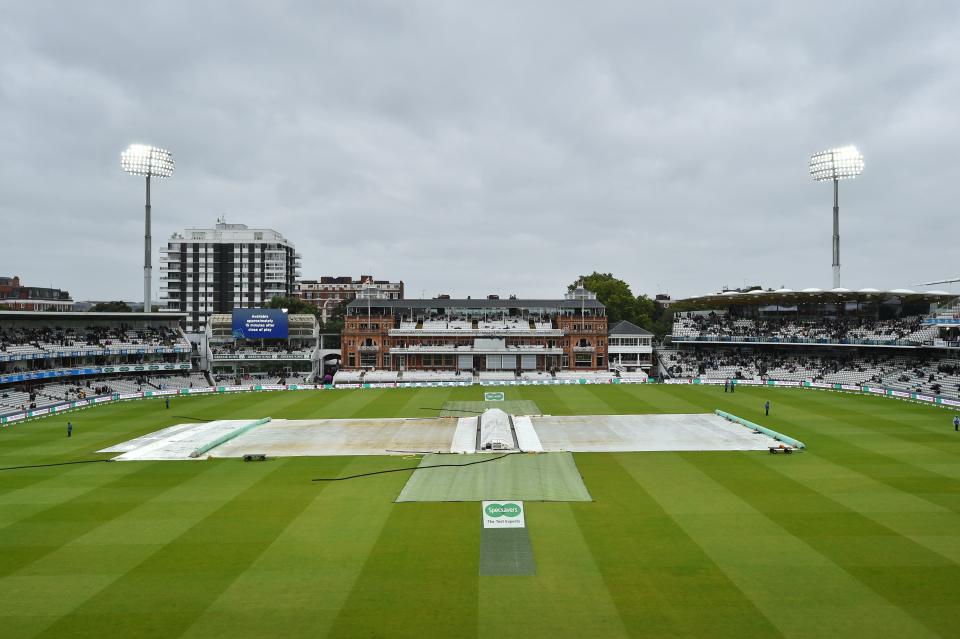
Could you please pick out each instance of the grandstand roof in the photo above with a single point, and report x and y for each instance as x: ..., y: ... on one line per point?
x: 52, y: 315
x: 623, y: 327
x: 789, y: 297
x: 477, y: 303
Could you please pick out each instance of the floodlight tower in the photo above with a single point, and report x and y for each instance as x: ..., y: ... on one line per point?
x: 842, y: 163
x: 147, y: 161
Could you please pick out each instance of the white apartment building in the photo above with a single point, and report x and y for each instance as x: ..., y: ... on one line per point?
x: 206, y: 271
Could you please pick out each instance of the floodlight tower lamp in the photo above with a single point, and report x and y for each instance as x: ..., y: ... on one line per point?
x: 147, y: 161
x: 842, y: 163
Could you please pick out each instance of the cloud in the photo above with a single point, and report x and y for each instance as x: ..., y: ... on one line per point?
x: 495, y: 147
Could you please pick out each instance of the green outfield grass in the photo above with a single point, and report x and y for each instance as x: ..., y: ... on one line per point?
x: 857, y: 537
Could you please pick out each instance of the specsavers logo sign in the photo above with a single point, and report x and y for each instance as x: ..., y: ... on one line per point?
x: 503, y: 514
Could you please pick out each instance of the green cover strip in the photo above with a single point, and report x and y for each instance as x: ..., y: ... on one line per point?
x: 228, y: 436
x: 780, y: 437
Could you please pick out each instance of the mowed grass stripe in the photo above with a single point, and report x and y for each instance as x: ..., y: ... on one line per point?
x: 669, y: 398
x: 301, y: 581
x: 928, y: 423
x: 567, y: 580
x: 930, y: 525
x: 800, y: 590
x: 166, y: 593
x: 775, y: 566
x: 47, y: 486
x: 938, y: 452
x: 661, y: 581
x: 592, y: 401
x: 403, y: 403
x: 45, y: 441
x: 631, y: 398
x: 421, y: 577
x: 313, y: 404
x: 921, y: 429
x: 894, y: 471
x: 616, y: 403
x: 903, y: 572
x: 88, y: 564
x: 342, y: 404
x: 848, y: 442
x: 899, y: 472
x: 26, y: 540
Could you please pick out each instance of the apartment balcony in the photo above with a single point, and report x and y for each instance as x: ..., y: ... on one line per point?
x: 584, y: 349
x: 368, y: 348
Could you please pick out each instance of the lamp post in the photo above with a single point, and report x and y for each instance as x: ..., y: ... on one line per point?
x: 842, y: 163
x: 147, y: 161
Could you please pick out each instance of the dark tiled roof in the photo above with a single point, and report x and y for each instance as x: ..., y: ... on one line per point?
x: 623, y: 327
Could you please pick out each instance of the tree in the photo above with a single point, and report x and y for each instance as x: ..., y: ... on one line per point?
x: 615, y: 294
x: 111, y: 307
x: 621, y: 304
x: 293, y: 305
x: 334, y: 323
x: 662, y: 321
x: 646, y: 309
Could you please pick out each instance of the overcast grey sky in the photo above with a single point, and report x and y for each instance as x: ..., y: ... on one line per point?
x: 479, y: 147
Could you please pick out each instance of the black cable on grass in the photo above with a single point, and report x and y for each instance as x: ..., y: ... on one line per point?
x: 86, y: 461
x: 398, y: 470
x: 196, y: 419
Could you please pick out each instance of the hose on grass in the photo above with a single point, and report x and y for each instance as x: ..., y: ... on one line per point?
x: 398, y: 470
x: 85, y: 461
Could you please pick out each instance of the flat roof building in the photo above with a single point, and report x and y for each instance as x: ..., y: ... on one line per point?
x: 206, y: 271
x: 329, y: 292
x: 476, y: 334
x: 17, y: 297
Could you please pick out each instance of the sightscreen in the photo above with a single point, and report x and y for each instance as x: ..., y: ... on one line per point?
x: 260, y: 323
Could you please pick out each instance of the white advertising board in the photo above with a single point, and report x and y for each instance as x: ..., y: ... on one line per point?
x: 505, y: 513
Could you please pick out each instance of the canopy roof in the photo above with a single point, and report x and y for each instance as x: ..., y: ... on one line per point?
x: 789, y: 297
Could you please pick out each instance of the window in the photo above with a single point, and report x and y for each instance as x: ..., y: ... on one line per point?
x: 351, y: 360
x: 599, y: 361
x: 582, y: 360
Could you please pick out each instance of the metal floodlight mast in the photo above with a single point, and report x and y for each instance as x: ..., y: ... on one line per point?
x: 842, y: 163
x: 147, y: 161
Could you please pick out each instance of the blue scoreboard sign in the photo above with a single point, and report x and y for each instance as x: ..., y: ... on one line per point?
x: 260, y: 323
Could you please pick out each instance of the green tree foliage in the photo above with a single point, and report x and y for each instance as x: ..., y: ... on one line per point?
x: 293, y: 305
x: 616, y: 295
x: 622, y: 304
x: 334, y: 323
x: 110, y: 307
